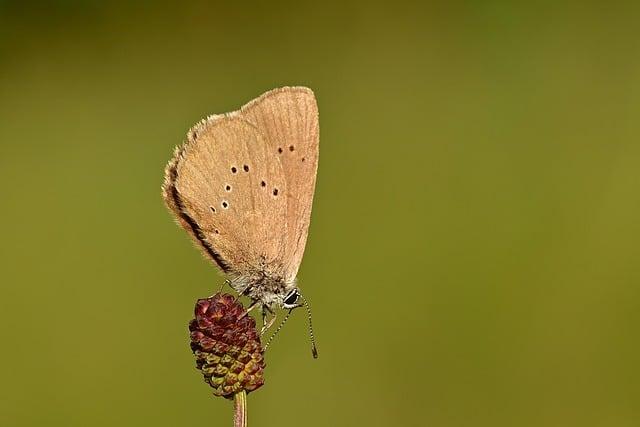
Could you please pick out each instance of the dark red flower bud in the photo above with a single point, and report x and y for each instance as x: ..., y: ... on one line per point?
x: 226, y: 345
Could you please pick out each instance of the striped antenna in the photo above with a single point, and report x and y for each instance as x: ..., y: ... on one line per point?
x: 286, y: 317
x: 314, y: 350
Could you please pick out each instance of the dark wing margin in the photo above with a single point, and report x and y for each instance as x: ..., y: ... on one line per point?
x: 172, y: 199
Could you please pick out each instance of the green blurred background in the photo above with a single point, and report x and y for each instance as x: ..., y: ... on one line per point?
x: 474, y: 250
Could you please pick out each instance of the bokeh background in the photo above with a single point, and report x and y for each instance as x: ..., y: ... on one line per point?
x: 474, y: 251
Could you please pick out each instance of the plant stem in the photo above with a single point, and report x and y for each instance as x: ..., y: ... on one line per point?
x: 240, y: 409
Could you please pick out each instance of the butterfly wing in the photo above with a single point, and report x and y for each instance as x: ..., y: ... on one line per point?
x: 221, y: 185
x: 287, y: 118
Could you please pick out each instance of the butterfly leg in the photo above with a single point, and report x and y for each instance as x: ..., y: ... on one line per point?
x: 244, y: 292
x: 267, y: 324
x: 253, y: 305
x: 226, y: 282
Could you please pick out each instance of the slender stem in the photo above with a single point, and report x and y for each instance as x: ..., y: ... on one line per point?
x: 240, y: 409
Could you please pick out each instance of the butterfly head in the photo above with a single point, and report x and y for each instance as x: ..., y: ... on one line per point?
x: 294, y: 299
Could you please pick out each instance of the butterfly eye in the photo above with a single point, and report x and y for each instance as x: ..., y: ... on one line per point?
x: 291, y: 299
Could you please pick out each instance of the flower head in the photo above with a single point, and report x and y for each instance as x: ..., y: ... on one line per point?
x: 227, y: 345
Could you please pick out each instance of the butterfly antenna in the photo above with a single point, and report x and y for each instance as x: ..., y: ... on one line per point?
x: 286, y: 317
x: 314, y: 350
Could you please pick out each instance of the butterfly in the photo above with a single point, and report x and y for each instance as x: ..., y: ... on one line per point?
x: 242, y: 186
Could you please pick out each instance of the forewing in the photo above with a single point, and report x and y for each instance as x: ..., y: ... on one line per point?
x: 288, y: 120
x: 220, y: 185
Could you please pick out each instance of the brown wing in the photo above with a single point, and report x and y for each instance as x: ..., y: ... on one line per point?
x: 288, y: 120
x: 221, y: 185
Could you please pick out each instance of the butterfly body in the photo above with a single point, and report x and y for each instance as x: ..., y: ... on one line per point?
x: 242, y: 186
x: 263, y: 285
